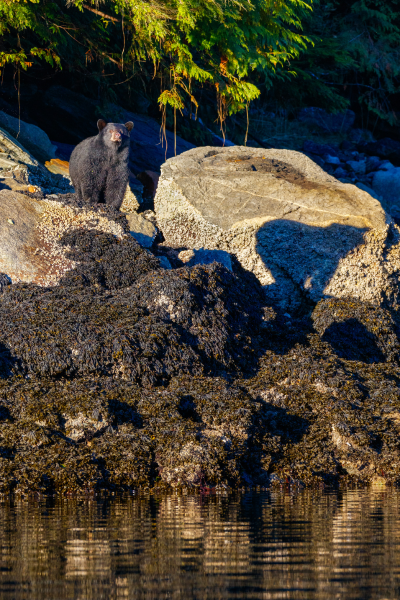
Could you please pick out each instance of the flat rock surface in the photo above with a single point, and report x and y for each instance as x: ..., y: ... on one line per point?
x: 141, y: 229
x: 296, y: 227
x: 233, y: 185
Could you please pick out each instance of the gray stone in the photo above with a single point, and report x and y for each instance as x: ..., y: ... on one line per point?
x: 331, y: 160
x: 31, y: 137
x: 340, y: 173
x: 395, y: 211
x: 386, y: 165
x: 13, y: 153
x: 361, y: 135
x: 372, y: 163
x: 141, y: 229
x: 387, y: 185
x: 164, y: 262
x: 299, y: 230
x: 30, y: 231
x: 358, y: 166
x: 206, y: 257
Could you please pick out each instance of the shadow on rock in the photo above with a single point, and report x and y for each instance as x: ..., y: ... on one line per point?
x: 118, y: 313
x: 8, y: 363
x: 351, y: 340
x: 357, y: 330
x: 4, y: 186
x: 303, y: 259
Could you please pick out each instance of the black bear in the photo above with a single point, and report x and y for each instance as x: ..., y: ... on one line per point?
x: 99, y: 165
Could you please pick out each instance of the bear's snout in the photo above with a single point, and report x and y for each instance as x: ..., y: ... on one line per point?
x: 116, y: 136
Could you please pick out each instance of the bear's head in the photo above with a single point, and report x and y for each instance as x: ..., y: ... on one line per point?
x: 115, y: 135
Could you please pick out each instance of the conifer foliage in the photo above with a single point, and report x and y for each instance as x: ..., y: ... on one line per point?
x: 186, y: 43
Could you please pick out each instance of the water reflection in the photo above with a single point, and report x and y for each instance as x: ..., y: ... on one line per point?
x: 270, y: 545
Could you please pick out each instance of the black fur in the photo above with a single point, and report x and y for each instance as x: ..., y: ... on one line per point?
x: 99, y: 165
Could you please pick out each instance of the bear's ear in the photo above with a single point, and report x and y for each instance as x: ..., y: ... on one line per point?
x: 101, y: 124
x: 129, y: 125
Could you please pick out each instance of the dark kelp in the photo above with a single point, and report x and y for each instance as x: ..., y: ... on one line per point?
x: 128, y: 375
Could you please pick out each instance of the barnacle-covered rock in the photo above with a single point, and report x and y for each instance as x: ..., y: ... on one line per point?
x: 31, y: 229
x: 118, y: 313
x: 331, y: 418
x: 302, y: 232
x: 127, y: 375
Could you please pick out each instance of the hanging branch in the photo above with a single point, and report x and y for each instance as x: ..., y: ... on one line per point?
x: 101, y: 14
x: 247, y: 128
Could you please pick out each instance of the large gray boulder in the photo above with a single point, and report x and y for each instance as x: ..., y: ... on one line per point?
x: 299, y: 230
x: 31, y: 137
x: 12, y: 153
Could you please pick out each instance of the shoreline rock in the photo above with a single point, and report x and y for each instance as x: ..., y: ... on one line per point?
x: 299, y: 230
x: 129, y: 372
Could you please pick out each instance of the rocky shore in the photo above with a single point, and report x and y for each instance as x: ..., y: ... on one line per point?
x: 130, y: 367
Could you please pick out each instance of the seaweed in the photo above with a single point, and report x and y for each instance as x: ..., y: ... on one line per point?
x: 127, y: 375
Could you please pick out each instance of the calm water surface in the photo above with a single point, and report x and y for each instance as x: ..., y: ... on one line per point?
x: 267, y: 545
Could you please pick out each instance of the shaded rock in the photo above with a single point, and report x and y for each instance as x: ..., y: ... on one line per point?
x: 34, y: 139
x: 328, y: 122
x: 300, y: 231
x: 358, y: 166
x: 68, y: 115
x: 360, y: 137
x: 372, y: 163
x: 13, y: 153
x: 387, y: 185
x: 63, y: 151
x: 21, y: 167
x: 340, y: 173
x: 4, y: 281
x: 207, y: 257
x: 357, y: 331
x: 319, y: 149
x: 141, y: 229
x: 347, y: 146
x: 332, y: 160
x: 386, y: 165
x: 149, y: 179
x: 164, y: 262
x: 317, y: 159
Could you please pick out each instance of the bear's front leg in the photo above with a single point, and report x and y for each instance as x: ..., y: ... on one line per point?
x: 117, y: 180
x: 93, y: 185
